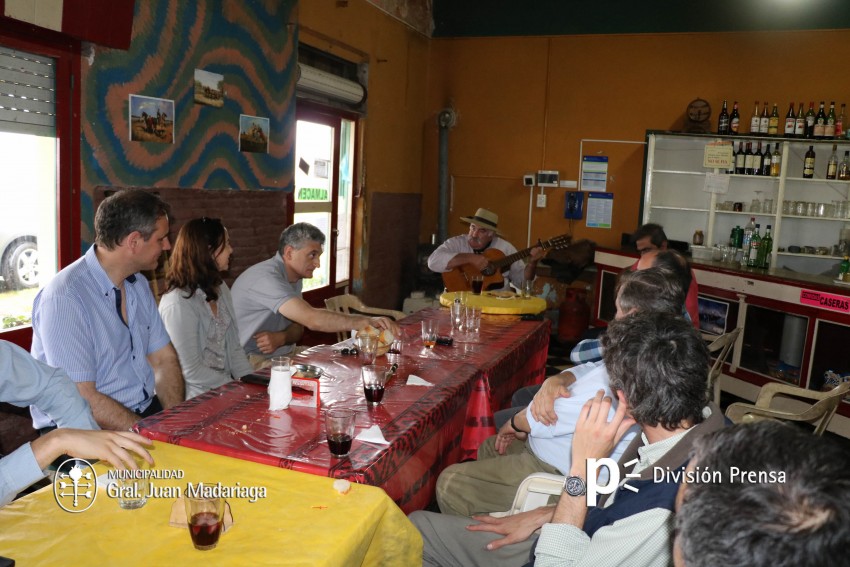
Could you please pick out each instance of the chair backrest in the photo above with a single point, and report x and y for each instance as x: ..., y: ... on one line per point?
x: 351, y: 305
x: 819, y: 414
x: 720, y: 348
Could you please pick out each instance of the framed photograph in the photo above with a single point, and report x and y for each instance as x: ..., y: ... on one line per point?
x: 151, y: 119
x: 209, y: 88
x: 253, y: 134
x: 713, y: 315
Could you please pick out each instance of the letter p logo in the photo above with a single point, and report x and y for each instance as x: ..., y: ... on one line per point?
x: 593, y: 488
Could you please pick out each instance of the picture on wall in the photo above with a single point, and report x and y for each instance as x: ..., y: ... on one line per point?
x: 253, y: 134
x: 209, y: 88
x: 151, y: 119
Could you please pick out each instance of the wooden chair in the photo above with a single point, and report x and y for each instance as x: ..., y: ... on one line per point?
x: 351, y: 305
x: 720, y: 348
x: 818, y: 414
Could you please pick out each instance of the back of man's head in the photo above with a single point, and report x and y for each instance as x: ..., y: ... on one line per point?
x: 675, y: 264
x: 793, y: 510
x: 660, y: 363
x: 649, y: 290
x: 298, y: 234
x: 127, y: 211
x: 655, y: 232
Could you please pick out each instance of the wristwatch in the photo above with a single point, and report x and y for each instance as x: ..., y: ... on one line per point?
x: 575, y: 486
x: 513, y: 425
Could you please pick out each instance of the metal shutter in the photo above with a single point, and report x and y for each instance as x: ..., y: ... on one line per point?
x: 27, y: 93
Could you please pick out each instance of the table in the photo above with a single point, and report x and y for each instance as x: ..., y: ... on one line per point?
x: 301, y: 521
x: 496, y: 305
x: 428, y: 428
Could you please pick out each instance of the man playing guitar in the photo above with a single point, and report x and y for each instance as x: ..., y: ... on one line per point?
x: 465, y: 254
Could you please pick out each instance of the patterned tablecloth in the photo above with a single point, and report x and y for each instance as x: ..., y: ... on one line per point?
x: 428, y: 428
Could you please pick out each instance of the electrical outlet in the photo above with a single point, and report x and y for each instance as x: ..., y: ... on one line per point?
x: 541, y: 201
x: 528, y: 180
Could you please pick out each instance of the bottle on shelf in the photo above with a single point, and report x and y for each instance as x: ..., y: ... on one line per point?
x: 734, y: 119
x: 745, y: 239
x: 753, y: 248
x: 736, y: 238
x: 775, y: 162
x: 764, y: 121
x: 809, y: 163
x: 820, y: 123
x: 740, y: 157
x: 748, y: 159
x: 832, y: 164
x: 773, y: 121
x: 839, y: 123
x: 764, y: 250
x: 723, y: 121
x: 810, y: 122
x: 844, y: 269
x: 754, y: 121
x: 731, y: 169
x: 829, y: 126
x: 800, y: 123
x: 699, y: 238
x: 765, y: 161
x: 790, y: 121
x: 844, y: 167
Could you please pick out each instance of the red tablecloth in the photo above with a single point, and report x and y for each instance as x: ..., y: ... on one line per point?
x: 428, y: 428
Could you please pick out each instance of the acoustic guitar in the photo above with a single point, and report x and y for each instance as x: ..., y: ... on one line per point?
x: 460, y: 277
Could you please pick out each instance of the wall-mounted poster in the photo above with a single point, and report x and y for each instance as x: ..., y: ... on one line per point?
x: 151, y: 119
x: 253, y: 134
x: 209, y: 88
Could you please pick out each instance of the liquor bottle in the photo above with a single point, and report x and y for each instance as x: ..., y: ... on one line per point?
x: 820, y: 123
x: 753, y: 248
x: 844, y: 269
x: 844, y: 167
x: 832, y: 164
x: 790, y: 121
x: 731, y: 169
x: 757, y: 160
x: 775, y: 162
x: 765, y: 161
x: 764, y: 121
x: 765, y: 248
x: 745, y: 241
x: 839, y: 123
x: 810, y: 121
x: 740, y: 160
x: 723, y: 121
x: 748, y: 159
x: 829, y: 127
x: 800, y: 123
x: 773, y: 122
x: 809, y: 163
x: 754, y: 121
x: 734, y: 119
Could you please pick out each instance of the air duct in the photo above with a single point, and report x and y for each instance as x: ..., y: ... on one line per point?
x: 317, y: 82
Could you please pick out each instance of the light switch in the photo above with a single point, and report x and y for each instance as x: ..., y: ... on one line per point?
x: 541, y: 201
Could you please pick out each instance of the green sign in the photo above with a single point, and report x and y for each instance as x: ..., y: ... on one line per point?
x: 312, y: 194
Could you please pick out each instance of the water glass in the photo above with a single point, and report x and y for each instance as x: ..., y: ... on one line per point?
x: 367, y: 344
x: 527, y: 288
x: 457, y: 313
x: 374, y: 380
x: 767, y: 206
x: 472, y: 320
x: 205, y: 516
x: 339, y: 430
x: 429, y: 333
x: 132, y: 492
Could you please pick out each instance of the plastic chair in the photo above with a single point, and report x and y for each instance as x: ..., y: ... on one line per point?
x: 535, y: 491
x: 351, y: 305
x: 818, y: 414
x: 720, y: 347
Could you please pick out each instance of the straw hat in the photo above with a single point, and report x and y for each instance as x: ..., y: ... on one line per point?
x: 484, y: 219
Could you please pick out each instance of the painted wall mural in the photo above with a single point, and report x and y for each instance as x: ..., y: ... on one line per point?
x: 251, y: 43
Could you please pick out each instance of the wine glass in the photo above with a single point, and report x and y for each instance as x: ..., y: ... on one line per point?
x: 755, y: 206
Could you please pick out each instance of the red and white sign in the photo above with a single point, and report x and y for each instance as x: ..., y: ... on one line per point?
x: 840, y: 303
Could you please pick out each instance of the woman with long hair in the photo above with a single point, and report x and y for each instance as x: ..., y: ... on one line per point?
x: 197, y: 308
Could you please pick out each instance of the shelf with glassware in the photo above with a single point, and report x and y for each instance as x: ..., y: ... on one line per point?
x: 806, y: 215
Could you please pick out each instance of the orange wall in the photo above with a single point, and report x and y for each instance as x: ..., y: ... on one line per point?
x: 525, y: 103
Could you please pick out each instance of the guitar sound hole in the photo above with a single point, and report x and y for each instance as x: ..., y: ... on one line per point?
x: 488, y: 271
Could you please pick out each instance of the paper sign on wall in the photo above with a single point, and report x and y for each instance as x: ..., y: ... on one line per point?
x: 716, y: 183
x: 718, y: 154
x: 599, y: 209
x: 594, y: 173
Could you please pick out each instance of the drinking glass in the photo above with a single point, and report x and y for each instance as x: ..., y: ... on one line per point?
x: 477, y: 284
x: 394, y: 352
x: 205, y: 516
x: 429, y: 333
x: 527, y: 288
x: 755, y: 206
x: 374, y: 379
x: 767, y: 206
x: 368, y: 346
x: 457, y: 312
x: 472, y: 321
x: 339, y: 429
x: 280, y: 383
x: 133, y: 488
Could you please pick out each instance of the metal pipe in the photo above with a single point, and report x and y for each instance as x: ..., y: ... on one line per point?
x: 446, y: 120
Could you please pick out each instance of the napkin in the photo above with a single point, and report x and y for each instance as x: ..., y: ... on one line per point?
x: 414, y: 380
x: 372, y: 435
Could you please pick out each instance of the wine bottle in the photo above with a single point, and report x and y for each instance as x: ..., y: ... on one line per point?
x: 734, y: 119
x: 829, y: 127
x: 757, y: 159
x: 723, y: 121
x: 753, y: 249
x: 800, y: 123
x: 790, y: 121
x: 740, y: 157
x: 765, y: 248
x: 844, y: 167
x: 839, y: 123
x: 775, y: 162
x: 773, y: 122
x: 832, y: 164
x: 810, y: 121
x: 764, y: 121
x: 765, y: 161
x: 820, y: 123
x: 748, y: 159
x: 754, y: 121
x: 809, y: 163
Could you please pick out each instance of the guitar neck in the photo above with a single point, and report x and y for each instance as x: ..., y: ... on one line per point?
x: 508, y: 260
x: 557, y: 242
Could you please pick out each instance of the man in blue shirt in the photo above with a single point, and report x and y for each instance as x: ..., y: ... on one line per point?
x: 98, y: 321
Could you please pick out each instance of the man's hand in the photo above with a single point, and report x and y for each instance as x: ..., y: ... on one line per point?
x: 515, y: 528
x: 595, y: 436
x: 269, y: 341
x: 112, y: 446
x: 537, y: 254
x: 554, y: 387
x: 384, y: 323
x: 506, y: 436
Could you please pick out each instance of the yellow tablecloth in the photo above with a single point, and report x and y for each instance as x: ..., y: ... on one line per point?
x: 497, y: 305
x: 302, y: 521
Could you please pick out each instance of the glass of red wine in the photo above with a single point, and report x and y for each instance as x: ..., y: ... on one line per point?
x: 374, y: 379
x: 477, y: 284
x: 205, y: 515
x: 339, y: 428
